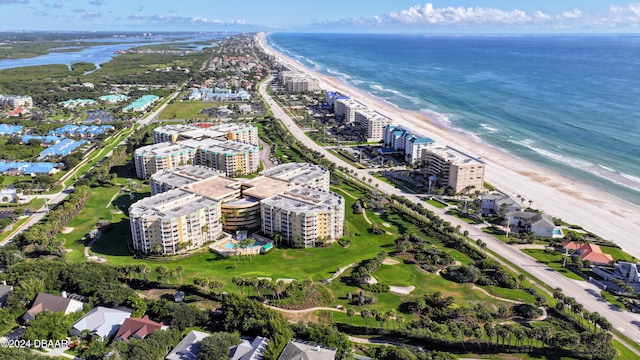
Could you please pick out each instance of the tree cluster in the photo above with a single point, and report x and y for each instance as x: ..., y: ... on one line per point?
x: 252, y: 318
x: 363, y: 272
x: 43, y: 234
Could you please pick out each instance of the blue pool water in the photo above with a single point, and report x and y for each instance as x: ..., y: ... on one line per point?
x: 557, y: 232
x: 230, y: 245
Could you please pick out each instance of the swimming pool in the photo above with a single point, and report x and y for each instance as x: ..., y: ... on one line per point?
x: 557, y: 232
x: 230, y: 245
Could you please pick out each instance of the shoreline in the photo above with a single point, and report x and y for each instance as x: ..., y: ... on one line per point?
x: 560, y: 196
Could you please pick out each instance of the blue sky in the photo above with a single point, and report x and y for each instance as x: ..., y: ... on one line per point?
x: 322, y: 16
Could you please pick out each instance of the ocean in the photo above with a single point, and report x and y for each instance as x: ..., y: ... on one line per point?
x: 570, y: 103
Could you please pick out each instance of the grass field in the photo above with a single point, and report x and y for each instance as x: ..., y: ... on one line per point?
x: 553, y: 260
x: 186, y: 110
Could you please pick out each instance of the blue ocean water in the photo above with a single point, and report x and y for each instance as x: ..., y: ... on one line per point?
x: 570, y: 103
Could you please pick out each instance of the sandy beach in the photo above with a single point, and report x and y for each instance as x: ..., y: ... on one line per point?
x: 559, y: 196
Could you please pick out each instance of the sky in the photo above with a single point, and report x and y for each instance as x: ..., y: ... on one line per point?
x: 462, y: 16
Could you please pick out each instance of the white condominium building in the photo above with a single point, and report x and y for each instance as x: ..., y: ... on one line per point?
x: 228, y: 131
x: 16, y: 101
x: 153, y: 158
x: 241, y: 202
x: 174, y: 221
x: 454, y: 168
x: 345, y: 108
x: 298, y: 82
x: 301, y: 174
x: 304, y: 213
x: 372, y: 123
x: 232, y: 157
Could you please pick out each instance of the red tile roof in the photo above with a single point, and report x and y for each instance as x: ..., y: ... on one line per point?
x: 138, y: 327
x: 570, y: 245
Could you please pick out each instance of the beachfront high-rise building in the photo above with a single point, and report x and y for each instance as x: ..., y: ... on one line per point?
x: 174, y: 221
x: 304, y: 214
x: 398, y: 138
x: 235, y: 158
x: 16, y: 101
x: 241, y: 200
x: 454, y: 168
x: 228, y: 131
x: 345, y: 108
x: 298, y: 82
x: 371, y: 123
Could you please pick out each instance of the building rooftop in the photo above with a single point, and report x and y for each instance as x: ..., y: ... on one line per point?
x: 189, y: 347
x: 170, y: 204
x: 263, y: 187
x: 218, y: 188
x: 298, y: 173
x: 454, y: 156
x: 229, y: 147
x: 160, y: 149
x: 184, y: 175
x: 305, y: 198
x: 372, y: 115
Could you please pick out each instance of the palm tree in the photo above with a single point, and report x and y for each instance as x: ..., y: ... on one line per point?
x: 180, y: 270
x: 351, y: 313
x: 162, y: 271
x: 216, y: 286
x: 491, y: 331
x: 366, y: 314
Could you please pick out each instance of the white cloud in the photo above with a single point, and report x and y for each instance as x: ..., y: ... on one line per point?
x: 428, y: 15
x: 573, y: 14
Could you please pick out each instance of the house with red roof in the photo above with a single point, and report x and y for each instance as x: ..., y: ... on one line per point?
x: 138, y: 328
x: 588, y: 252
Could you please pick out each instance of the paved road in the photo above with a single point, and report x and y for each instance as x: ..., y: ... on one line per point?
x: 587, y: 294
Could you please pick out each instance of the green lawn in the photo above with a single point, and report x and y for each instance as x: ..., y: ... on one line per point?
x: 93, y: 212
x: 553, y: 260
x: 186, y: 110
x: 436, y: 204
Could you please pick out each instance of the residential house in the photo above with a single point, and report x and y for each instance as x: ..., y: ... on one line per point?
x: 627, y: 272
x: 249, y: 350
x: 138, y: 328
x: 499, y: 203
x: 4, y: 293
x: 100, y: 321
x: 297, y: 350
x: 588, y: 252
x: 540, y: 224
x: 53, y: 303
x: 189, y: 347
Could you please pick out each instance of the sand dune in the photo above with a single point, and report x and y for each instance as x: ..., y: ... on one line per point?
x: 555, y: 194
